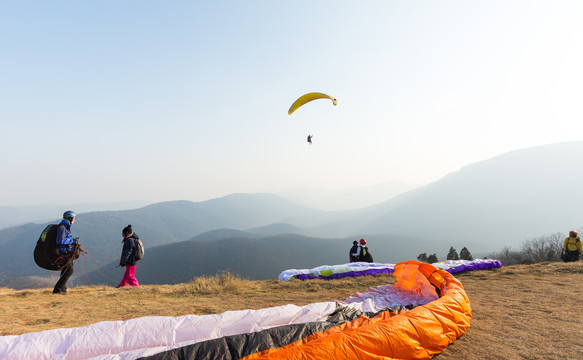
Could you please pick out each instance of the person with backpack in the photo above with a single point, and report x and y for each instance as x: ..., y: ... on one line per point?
x: 363, y: 253
x: 67, y: 246
x: 572, y: 247
x: 129, y: 257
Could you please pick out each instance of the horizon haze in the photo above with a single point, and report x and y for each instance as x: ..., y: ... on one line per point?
x: 108, y: 102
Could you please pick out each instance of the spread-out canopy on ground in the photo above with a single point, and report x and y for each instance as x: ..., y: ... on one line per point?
x: 330, y: 272
x: 386, y: 322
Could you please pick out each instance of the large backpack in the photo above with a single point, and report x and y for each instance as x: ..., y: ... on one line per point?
x: 46, y: 252
x: 365, y: 255
x: 139, y: 251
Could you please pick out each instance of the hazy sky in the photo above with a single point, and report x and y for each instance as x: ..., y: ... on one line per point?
x: 164, y: 100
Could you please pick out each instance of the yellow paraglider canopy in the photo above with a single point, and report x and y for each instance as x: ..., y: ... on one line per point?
x: 309, y: 97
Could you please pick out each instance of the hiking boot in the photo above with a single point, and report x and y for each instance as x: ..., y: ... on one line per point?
x: 60, y: 292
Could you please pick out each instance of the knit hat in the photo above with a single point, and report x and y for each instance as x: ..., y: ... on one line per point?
x: 127, y: 230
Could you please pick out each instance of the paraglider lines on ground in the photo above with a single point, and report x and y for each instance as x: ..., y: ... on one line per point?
x: 22, y: 316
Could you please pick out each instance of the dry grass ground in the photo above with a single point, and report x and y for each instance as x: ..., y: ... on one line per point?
x: 523, y: 312
x: 519, y: 312
x: 26, y: 311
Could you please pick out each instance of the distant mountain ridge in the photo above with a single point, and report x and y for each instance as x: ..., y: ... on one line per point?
x: 157, y: 224
x: 493, y: 203
x: 346, y: 199
x: 484, y: 207
x: 17, y: 215
x: 316, y: 199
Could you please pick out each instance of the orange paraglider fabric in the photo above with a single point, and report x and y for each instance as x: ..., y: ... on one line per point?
x: 419, y: 333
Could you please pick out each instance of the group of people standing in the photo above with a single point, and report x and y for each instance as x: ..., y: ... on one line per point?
x: 360, y: 252
x: 68, y: 249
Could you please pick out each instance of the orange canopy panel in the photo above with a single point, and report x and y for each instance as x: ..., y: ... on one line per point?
x: 419, y: 333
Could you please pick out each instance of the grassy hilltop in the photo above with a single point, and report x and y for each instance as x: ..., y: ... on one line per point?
x: 519, y: 312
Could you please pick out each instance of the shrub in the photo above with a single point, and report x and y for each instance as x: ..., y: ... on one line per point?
x: 452, y: 254
x: 465, y: 254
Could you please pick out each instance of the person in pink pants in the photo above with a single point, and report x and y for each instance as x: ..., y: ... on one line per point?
x: 128, y: 258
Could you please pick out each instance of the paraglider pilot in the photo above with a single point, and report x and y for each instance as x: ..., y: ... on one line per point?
x: 310, y: 139
x: 67, y: 245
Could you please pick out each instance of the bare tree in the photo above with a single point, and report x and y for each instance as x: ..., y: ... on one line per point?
x: 542, y: 248
x: 534, y: 250
x: 507, y: 256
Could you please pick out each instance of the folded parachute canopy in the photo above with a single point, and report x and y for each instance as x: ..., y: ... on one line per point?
x: 330, y: 272
x: 416, y: 334
x: 371, y: 325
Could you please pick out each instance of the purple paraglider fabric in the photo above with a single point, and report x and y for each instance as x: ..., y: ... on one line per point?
x: 331, y: 272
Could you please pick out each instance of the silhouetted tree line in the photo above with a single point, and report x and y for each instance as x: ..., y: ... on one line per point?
x: 538, y: 249
x: 451, y: 255
x: 535, y: 250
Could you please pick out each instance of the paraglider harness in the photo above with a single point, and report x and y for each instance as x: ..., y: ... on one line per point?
x: 571, y: 255
x: 365, y: 255
x: 47, y: 254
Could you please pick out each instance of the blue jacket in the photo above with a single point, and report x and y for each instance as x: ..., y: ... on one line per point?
x: 64, y: 239
x: 128, y: 251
